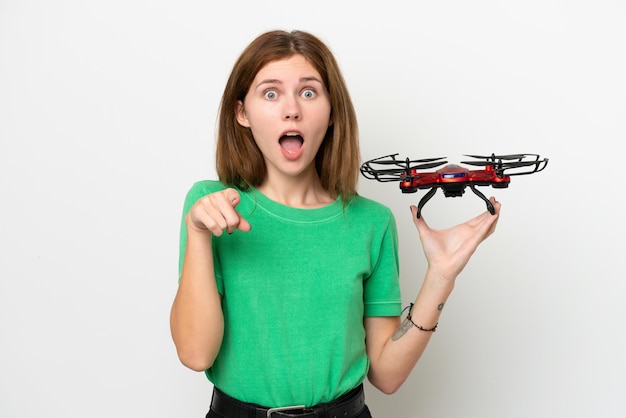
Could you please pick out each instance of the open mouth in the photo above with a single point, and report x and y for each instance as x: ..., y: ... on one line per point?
x: 291, y: 142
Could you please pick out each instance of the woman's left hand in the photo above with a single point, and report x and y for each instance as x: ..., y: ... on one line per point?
x: 448, y: 251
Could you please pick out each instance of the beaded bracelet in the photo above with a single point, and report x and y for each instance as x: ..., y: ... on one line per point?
x: 433, y: 329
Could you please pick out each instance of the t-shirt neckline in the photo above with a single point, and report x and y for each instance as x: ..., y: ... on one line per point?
x: 290, y: 213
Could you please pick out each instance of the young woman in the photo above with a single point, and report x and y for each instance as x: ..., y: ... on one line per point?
x: 289, y: 294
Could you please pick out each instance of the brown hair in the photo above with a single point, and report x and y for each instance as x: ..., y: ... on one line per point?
x: 240, y: 162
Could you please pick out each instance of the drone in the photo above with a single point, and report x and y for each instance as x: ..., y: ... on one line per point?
x: 452, y: 178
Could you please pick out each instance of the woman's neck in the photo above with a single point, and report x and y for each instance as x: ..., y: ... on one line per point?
x: 297, y: 192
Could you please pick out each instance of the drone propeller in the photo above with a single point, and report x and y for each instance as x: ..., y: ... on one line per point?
x: 500, y: 166
x: 425, y: 166
x: 388, y: 168
x: 494, y: 157
x: 381, y: 160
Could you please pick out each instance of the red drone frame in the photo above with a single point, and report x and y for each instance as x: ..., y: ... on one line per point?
x: 452, y: 178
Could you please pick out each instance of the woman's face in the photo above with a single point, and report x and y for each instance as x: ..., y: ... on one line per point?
x: 288, y: 111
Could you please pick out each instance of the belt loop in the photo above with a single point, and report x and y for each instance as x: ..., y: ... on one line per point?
x: 324, y: 412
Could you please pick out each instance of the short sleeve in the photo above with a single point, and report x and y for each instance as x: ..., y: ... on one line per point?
x: 382, y: 288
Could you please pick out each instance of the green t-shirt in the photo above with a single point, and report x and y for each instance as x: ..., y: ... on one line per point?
x: 295, y: 291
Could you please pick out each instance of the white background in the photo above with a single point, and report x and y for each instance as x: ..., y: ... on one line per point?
x: 107, y: 116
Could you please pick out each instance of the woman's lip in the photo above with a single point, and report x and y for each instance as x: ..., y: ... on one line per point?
x: 291, y: 146
x: 291, y: 132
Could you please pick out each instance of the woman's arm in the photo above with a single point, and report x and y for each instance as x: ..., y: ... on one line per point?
x: 394, y: 347
x: 196, y: 318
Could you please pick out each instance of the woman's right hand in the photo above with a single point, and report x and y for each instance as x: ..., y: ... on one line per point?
x: 216, y: 213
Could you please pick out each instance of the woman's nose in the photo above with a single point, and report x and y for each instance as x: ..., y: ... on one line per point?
x: 291, y: 111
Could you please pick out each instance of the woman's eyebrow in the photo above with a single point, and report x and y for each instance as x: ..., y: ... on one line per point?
x: 269, y: 81
x: 311, y: 78
x: 277, y: 81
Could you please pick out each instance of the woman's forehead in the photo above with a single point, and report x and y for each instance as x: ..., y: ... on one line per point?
x: 295, y: 69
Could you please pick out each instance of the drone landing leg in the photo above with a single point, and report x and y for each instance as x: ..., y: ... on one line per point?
x: 425, y: 199
x: 490, y: 207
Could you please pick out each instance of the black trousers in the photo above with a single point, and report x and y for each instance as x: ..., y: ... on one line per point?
x: 364, y: 414
x: 350, y: 405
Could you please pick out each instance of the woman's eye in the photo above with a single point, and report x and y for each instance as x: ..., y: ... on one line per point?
x: 308, y: 94
x: 271, y: 94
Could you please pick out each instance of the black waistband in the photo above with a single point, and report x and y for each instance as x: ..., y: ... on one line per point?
x: 348, y: 405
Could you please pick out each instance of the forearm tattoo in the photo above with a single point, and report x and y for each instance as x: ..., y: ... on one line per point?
x: 407, y: 324
x: 404, y: 327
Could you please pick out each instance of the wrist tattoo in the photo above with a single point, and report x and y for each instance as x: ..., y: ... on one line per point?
x: 404, y: 327
x: 440, y: 306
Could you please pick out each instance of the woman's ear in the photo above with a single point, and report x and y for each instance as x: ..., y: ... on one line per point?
x: 240, y: 114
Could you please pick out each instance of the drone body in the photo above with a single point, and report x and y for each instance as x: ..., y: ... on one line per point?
x: 452, y: 178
